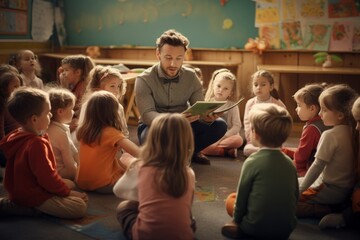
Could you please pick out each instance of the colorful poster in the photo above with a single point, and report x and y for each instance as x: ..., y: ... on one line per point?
x: 356, y: 37
x: 312, y: 8
x: 288, y: 9
x: 341, y: 36
x: 317, y: 36
x: 291, y: 36
x: 266, y: 14
x: 271, y: 33
x: 342, y: 8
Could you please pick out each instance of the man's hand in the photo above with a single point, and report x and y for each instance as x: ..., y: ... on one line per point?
x: 211, y: 117
x: 191, y: 118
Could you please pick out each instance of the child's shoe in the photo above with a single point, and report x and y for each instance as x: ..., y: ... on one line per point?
x: 8, y: 208
x: 232, y: 152
x: 332, y: 220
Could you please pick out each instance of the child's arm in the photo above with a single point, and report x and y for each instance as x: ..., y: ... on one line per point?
x: 67, y: 156
x: 234, y: 117
x: 242, y: 194
x: 43, y: 166
x: 126, y: 186
x: 129, y: 146
x: 308, y: 142
x: 312, y: 174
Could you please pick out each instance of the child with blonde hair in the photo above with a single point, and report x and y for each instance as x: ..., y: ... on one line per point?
x: 31, y: 179
x: 29, y: 68
x: 102, y: 140
x: 67, y: 157
x: 330, y: 179
x: 222, y: 87
x: 165, y: 184
x: 108, y: 79
x: 265, y: 202
x: 307, y: 109
x: 265, y: 92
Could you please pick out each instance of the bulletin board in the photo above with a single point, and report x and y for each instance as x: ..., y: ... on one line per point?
x: 14, y: 16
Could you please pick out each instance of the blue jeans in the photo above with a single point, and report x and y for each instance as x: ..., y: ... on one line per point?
x: 204, y: 135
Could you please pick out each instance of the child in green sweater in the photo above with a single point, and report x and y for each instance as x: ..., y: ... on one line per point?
x: 265, y: 201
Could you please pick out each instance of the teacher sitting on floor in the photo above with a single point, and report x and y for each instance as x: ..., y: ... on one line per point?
x: 168, y: 87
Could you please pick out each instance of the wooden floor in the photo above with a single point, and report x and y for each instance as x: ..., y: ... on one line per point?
x: 213, y: 184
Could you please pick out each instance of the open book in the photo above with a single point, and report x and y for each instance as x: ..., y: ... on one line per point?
x: 205, y: 108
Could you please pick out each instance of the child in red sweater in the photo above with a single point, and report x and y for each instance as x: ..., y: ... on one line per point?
x: 307, y: 109
x: 31, y: 179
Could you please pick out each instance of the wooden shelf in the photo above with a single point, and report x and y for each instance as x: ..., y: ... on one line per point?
x: 148, y: 63
x: 309, y: 69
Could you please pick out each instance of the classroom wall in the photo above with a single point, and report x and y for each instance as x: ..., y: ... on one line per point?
x: 140, y: 22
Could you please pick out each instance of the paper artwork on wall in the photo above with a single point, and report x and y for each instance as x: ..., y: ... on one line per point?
x: 342, y: 9
x: 312, y: 8
x: 341, y: 36
x: 291, y: 35
x: 271, y: 33
x: 317, y: 36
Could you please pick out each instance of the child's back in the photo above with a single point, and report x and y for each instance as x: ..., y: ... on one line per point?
x: 266, y: 199
x: 270, y: 207
x: 161, y: 215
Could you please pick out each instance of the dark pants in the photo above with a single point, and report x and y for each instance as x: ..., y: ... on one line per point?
x: 204, y: 135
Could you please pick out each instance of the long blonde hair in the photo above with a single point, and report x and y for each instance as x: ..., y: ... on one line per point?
x: 225, y: 74
x: 169, y: 147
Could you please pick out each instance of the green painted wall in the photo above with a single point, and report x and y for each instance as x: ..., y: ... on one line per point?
x: 140, y: 22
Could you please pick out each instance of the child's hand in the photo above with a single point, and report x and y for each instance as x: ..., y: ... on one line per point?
x: 81, y: 195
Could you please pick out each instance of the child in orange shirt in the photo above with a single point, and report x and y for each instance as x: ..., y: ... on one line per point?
x: 102, y: 141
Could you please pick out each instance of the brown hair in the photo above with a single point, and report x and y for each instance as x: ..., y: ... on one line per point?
x: 102, y: 110
x: 16, y: 58
x: 82, y: 62
x: 268, y: 75
x: 310, y: 93
x: 340, y: 98
x: 173, y: 38
x: 169, y: 151
x: 272, y: 123
x: 25, y: 102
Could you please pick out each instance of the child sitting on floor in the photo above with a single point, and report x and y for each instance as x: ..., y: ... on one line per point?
x: 307, y: 109
x: 330, y: 179
x: 66, y: 154
x: 265, y: 92
x: 29, y: 68
x: 31, y: 178
x: 165, y: 184
x: 266, y: 198
x: 222, y: 87
x: 102, y: 142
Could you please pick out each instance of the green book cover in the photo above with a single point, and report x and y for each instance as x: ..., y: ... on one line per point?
x: 204, y: 108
